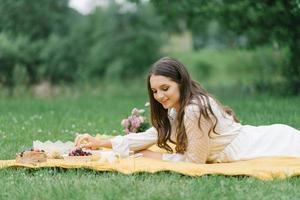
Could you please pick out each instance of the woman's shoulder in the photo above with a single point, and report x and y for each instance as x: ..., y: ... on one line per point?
x: 193, y: 108
x: 205, y: 102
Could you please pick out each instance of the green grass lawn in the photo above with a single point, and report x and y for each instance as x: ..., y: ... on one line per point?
x: 25, y: 119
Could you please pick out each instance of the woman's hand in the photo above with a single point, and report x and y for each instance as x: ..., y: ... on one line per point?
x: 87, y: 141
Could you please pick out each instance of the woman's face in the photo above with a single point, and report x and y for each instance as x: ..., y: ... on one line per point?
x: 165, y: 91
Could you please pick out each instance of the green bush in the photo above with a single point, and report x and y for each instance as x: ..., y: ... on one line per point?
x: 15, y: 54
x: 247, y: 71
x: 59, y: 58
x: 261, y: 70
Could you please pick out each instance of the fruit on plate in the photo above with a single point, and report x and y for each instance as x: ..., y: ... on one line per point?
x: 79, y: 152
x: 80, y: 156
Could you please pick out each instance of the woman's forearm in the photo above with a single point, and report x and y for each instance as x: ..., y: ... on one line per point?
x: 151, y: 154
x: 105, y: 143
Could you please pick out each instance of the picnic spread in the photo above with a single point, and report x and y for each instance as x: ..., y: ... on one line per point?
x: 63, y: 155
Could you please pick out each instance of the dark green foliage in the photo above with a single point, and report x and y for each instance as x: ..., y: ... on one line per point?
x: 35, y: 19
x: 31, y: 31
x: 125, y: 43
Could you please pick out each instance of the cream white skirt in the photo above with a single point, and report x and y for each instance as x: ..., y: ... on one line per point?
x: 263, y: 141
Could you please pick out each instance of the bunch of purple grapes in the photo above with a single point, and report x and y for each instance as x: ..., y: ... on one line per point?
x: 79, y: 152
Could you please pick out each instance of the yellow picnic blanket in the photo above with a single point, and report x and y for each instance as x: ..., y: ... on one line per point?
x: 263, y: 168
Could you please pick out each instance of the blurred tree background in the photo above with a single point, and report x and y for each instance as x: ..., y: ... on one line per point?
x: 251, y: 45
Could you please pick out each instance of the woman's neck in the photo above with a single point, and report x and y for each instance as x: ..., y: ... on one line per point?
x: 177, y: 107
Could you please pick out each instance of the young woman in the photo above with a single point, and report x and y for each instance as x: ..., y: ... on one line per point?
x: 203, y: 130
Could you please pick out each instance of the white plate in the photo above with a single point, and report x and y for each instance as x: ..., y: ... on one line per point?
x: 78, y: 159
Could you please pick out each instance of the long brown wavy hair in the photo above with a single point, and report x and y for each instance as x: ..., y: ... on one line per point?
x: 189, y: 89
